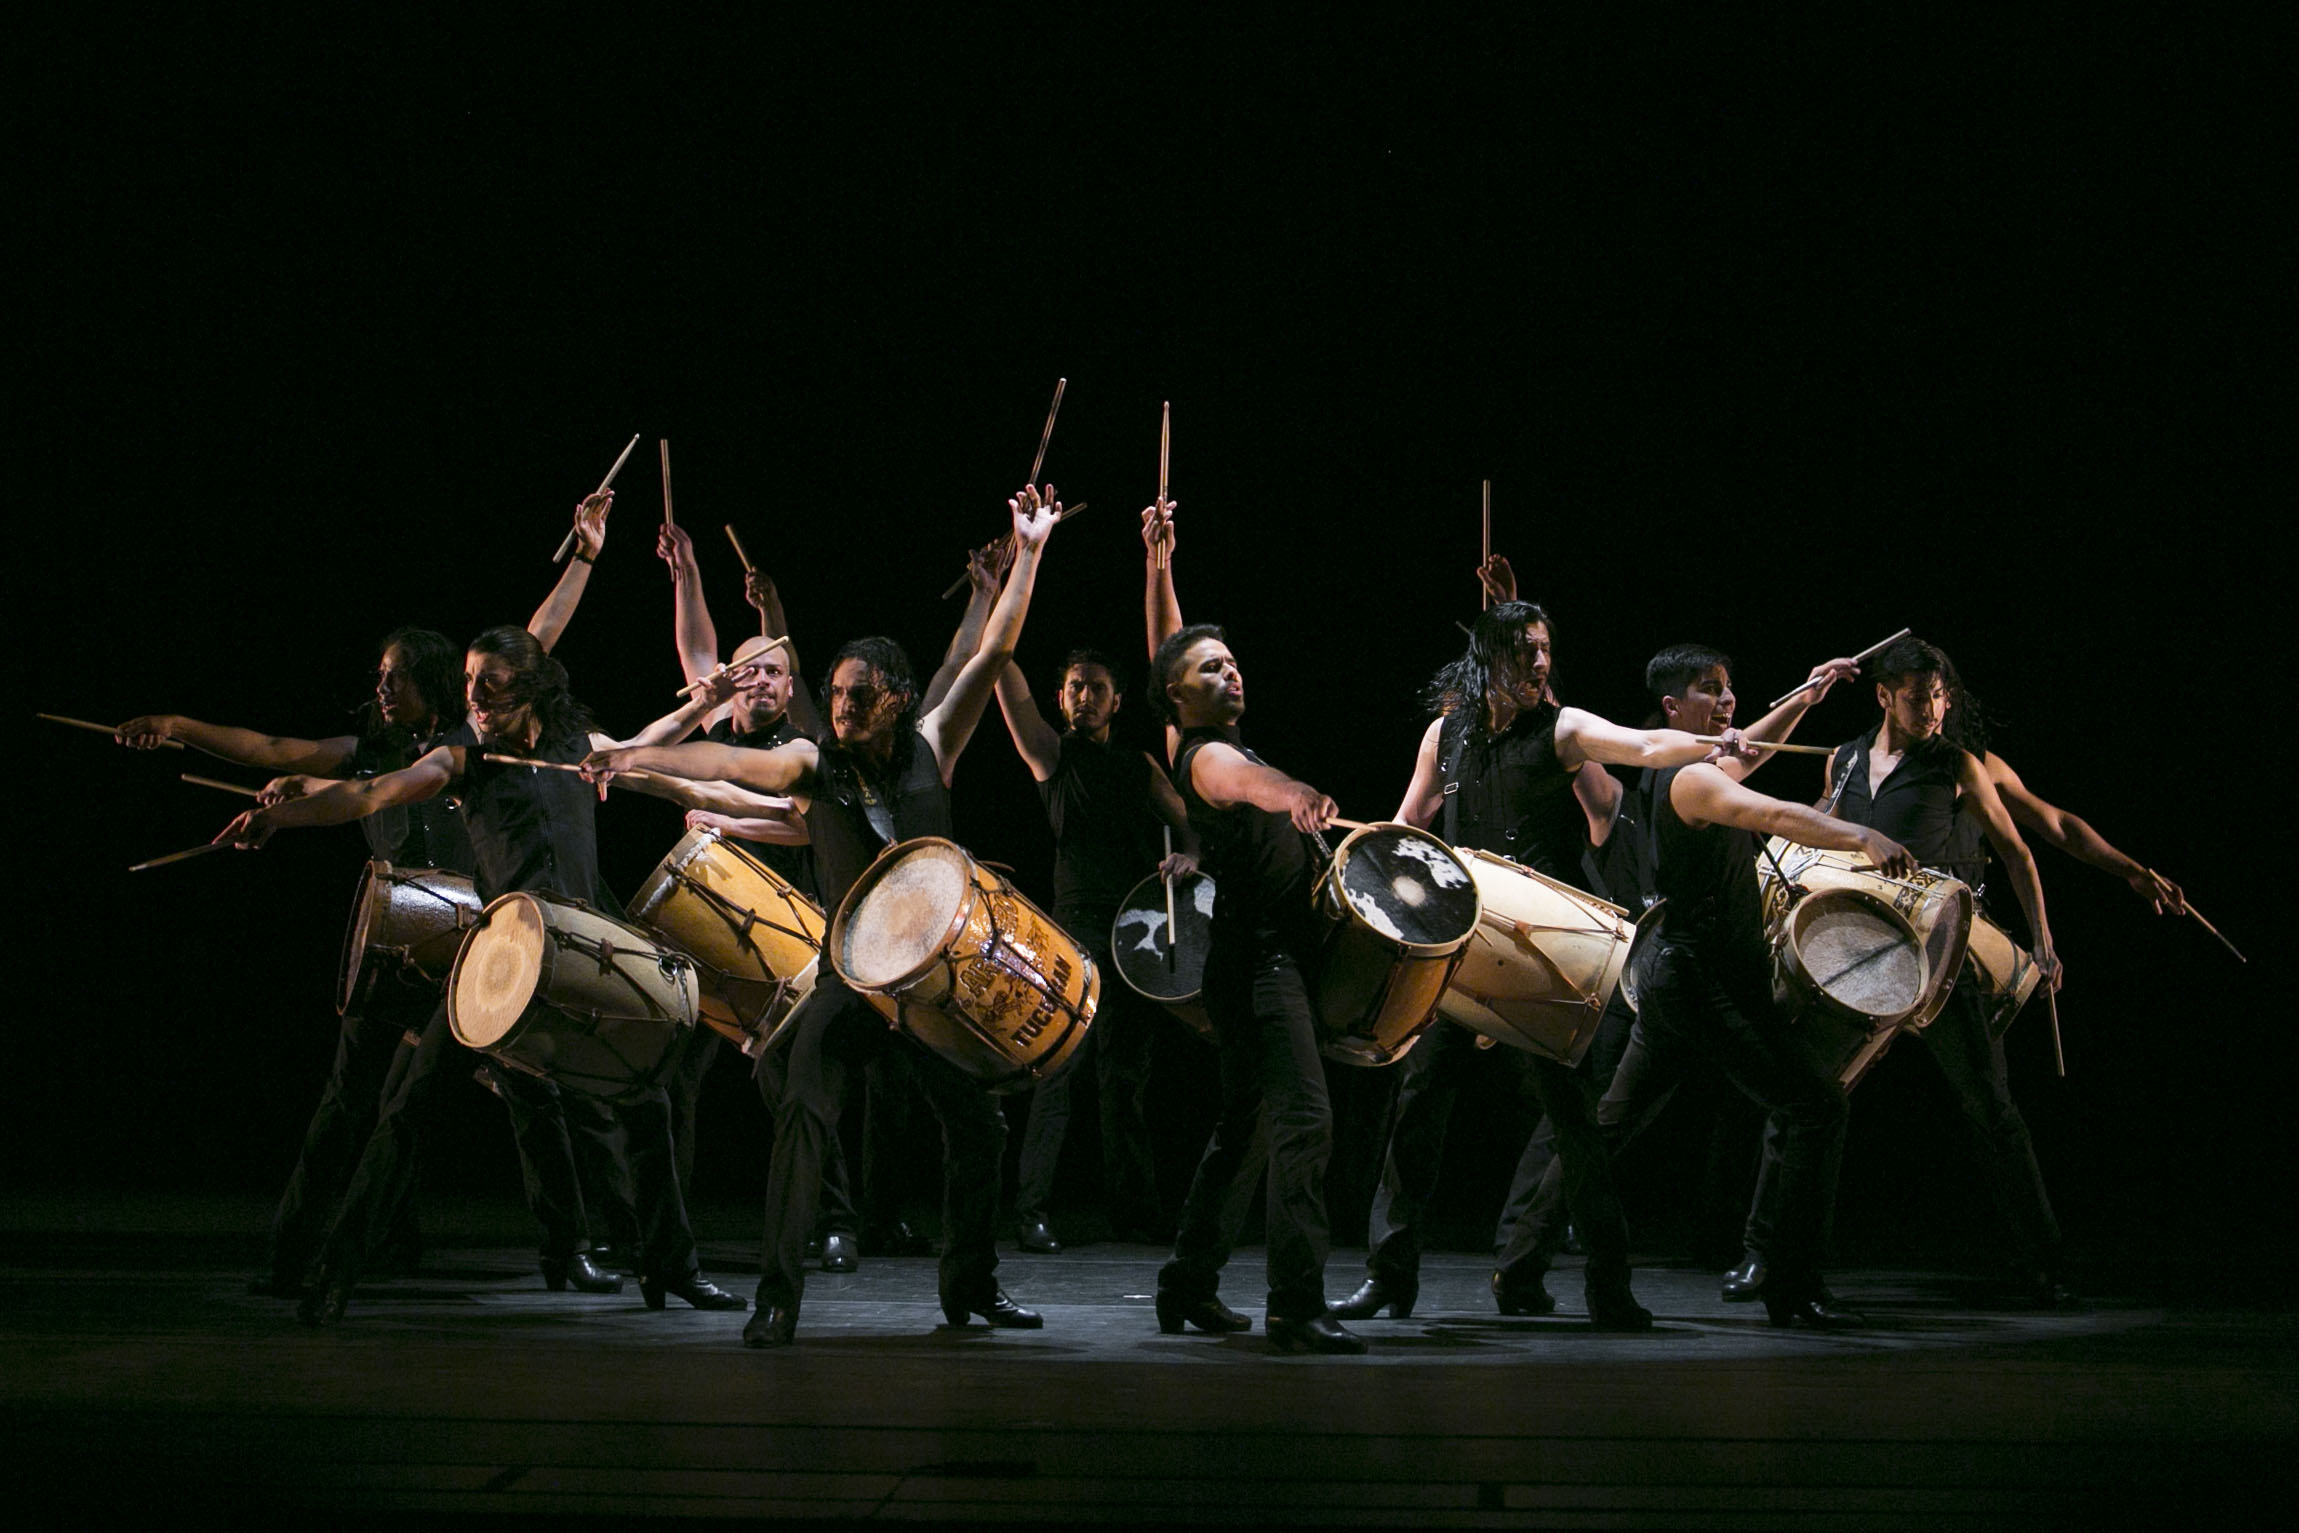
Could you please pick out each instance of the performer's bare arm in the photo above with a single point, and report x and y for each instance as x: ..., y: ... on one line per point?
x: 1425, y: 794
x: 774, y: 830
x: 786, y: 769
x: 950, y: 723
x: 689, y: 716
x: 243, y: 747
x: 1225, y: 778
x: 985, y: 569
x: 1782, y: 721
x: 1161, y: 609
x: 693, y: 634
x: 1033, y: 736
x: 2019, y: 862
x: 338, y: 803
x: 1599, y: 794
x: 759, y: 590
x: 558, y: 609
x: 2073, y: 835
x: 1582, y: 736
x: 1704, y: 795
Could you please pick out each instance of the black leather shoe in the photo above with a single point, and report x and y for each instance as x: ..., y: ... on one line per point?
x: 997, y: 1310
x: 696, y: 1289
x: 581, y: 1273
x: 813, y: 1251
x: 1375, y: 1295
x: 1320, y: 1333
x: 326, y: 1299
x: 896, y: 1239
x: 1614, y: 1308
x: 614, y: 1258
x: 1522, y: 1296
x: 775, y: 1325
x: 1745, y: 1282
x: 1208, y: 1314
x: 1788, y: 1301
x: 1038, y: 1238
x: 838, y: 1253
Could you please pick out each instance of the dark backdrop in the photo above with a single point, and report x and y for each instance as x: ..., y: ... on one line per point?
x: 1778, y: 341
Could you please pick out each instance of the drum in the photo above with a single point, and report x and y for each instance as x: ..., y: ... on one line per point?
x: 756, y: 941
x: 1542, y: 964
x: 951, y: 954
x: 556, y: 989
x: 1167, y: 967
x: 403, y: 919
x: 1851, y: 971
x: 2004, y: 973
x: 1937, y: 906
x: 1401, y: 907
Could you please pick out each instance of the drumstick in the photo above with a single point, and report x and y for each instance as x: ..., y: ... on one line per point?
x: 228, y: 787
x: 193, y: 851
x: 2207, y: 926
x: 2059, y: 1055
x: 102, y: 729
x: 1164, y: 454
x: 605, y: 485
x: 1172, y: 934
x: 664, y: 444
x: 1039, y: 461
x: 1773, y: 745
x: 1486, y: 561
x: 1856, y: 659
x: 636, y: 774
x: 748, y: 568
x: 960, y: 583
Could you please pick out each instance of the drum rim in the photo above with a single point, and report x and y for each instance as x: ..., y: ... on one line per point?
x: 657, y: 886
x: 463, y: 951
x: 1125, y: 904
x: 348, y: 984
x: 1330, y: 878
x: 835, y: 939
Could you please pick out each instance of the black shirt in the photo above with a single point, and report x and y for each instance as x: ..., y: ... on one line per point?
x: 1708, y: 876
x: 857, y: 811
x: 1508, y: 793
x: 1916, y: 805
x: 1261, y: 867
x: 1105, y: 830
x: 425, y: 835
x: 795, y: 863
x: 533, y: 829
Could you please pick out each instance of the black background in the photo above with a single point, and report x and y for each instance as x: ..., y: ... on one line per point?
x: 1773, y: 339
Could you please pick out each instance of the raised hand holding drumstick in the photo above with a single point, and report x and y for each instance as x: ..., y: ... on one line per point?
x: 1497, y: 579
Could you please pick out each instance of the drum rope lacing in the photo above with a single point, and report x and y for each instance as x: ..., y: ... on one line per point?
x: 729, y: 911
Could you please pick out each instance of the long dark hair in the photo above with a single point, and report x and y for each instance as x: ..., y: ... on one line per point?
x: 434, y: 668
x: 538, y: 682
x: 1495, y: 644
x: 1970, y: 724
x: 889, y: 668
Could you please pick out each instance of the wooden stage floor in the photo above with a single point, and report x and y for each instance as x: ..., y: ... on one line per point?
x: 140, y: 1375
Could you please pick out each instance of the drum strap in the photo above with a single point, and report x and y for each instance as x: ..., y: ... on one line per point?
x: 850, y: 789
x: 1452, y: 741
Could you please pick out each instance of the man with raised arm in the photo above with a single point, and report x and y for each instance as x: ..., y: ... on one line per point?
x: 882, y: 776
x: 1105, y: 803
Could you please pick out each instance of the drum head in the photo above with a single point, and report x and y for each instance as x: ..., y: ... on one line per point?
x: 497, y: 971
x: 1858, y: 954
x: 1408, y: 886
x: 899, y: 921
x: 1150, y: 959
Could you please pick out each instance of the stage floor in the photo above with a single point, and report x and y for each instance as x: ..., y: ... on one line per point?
x: 139, y: 1373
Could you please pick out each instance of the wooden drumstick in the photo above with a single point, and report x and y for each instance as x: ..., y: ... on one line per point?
x: 567, y: 544
x: 191, y: 851
x: 664, y: 444
x: 1485, y: 562
x: 2059, y: 1055
x: 102, y: 729
x: 2206, y: 925
x: 1164, y: 455
x: 1773, y: 745
x: 1172, y: 932
x: 1856, y: 659
x: 960, y: 583
x: 748, y: 568
x: 1039, y: 461
x: 635, y: 775
x: 228, y: 787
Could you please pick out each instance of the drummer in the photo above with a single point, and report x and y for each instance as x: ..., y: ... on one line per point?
x: 1905, y: 778
x: 883, y: 777
x: 416, y: 707
x: 1105, y: 803
x: 530, y: 830
x: 1509, y: 771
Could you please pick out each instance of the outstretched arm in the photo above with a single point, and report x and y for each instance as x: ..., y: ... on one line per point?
x: 551, y: 619
x: 950, y: 724
x: 1781, y: 721
x: 243, y: 747
x: 692, y: 632
x: 786, y: 768
x: 1161, y: 609
x: 337, y: 803
x: 2073, y: 835
x: 2019, y: 862
x: 1225, y: 778
x: 776, y: 829
x: 1703, y: 795
x: 1582, y: 736
x: 1033, y: 736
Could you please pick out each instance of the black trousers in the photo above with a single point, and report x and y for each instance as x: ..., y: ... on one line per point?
x: 836, y: 1032
x: 1533, y: 1179
x: 1118, y: 1050
x: 1972, y: 1062
x: 1435, y: 1072
x: 365, y: 1046
x: 1265, y: 1029
x: 836, y: 1211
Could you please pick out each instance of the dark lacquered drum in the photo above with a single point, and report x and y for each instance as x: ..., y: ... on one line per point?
x: 407, y: 921
x: 1168, y: 967
x: 952, y: 954
x: 556, y: 989
x: 1401, y: 906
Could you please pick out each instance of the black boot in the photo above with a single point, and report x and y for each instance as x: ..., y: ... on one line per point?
x: 1038, y: 1238
x: 1208, y: 1314
x: 693, y: 1287
x: 1744, y: 1282
x: 1376, y: 1293
x: 1521, y: 1295
x: 1802, y: 1299
x: 1318, y: 1333
x: 581, y: 1273
x: 1613, y: 1308
x: 775, y: 1325
x: 996, y: 1310
x: 838, y: 1253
